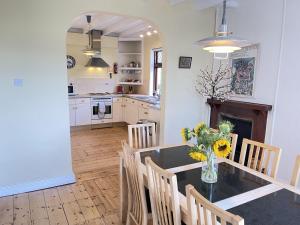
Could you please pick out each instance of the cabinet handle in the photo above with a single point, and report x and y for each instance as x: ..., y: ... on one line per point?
x: 146, y: 113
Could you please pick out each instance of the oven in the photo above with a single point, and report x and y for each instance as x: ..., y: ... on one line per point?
x: 101, y: 108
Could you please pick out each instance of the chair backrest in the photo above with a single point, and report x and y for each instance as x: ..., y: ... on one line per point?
x: 137, y: 208
x: 234, y: 138
x: 296, y: 172
x: 164, y: 195
x: 261, y: 157
x: 203, y: 212
x: 142, y: 135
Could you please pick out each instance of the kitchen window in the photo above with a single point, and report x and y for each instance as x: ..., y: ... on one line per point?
x: 157, y: 70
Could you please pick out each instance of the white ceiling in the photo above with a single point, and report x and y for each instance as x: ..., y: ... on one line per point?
x: 121, y: 26
x: 112, y: 25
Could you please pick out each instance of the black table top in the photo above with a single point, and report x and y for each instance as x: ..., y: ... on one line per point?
x: 231, y: 181
x: 171, y: 157
x: 279, y: 208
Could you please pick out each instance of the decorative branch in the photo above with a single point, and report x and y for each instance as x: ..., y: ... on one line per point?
x: 216, y: 85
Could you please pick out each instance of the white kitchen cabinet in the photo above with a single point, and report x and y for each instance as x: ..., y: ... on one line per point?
x: 72, y: 114
x: 83, y: 114
x: 80, y: 111
x: 118, y: 109
x: 154, y: 114
x: 131, y: 114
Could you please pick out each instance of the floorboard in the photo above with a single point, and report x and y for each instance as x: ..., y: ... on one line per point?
x: 93, y: 200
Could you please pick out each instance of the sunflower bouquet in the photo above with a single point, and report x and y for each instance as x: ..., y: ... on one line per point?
x: 209, y: 144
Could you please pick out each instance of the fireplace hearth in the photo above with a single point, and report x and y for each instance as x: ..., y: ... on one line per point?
x: 249, y: 119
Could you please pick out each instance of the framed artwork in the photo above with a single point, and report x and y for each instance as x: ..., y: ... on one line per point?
x: 185, y: 62
x: 243, y: 65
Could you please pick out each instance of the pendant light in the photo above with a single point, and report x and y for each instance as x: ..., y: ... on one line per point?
x: 90, y: 51
x: 223, y: 42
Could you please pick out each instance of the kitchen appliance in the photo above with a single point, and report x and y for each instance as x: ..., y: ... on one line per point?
x: 101, y: 108
x: 70, y: 89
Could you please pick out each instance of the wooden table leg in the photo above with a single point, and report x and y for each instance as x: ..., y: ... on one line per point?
x: 123, y: 192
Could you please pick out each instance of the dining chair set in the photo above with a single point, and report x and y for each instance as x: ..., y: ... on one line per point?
x: 163, y: 188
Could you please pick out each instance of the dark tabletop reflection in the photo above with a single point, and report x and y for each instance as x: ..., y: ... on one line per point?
x: 279, y: 208
x: 231, y: 181
x: 168, y: 158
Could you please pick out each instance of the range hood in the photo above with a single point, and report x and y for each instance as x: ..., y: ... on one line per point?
x: 97, y: 62
x: 94, y: 48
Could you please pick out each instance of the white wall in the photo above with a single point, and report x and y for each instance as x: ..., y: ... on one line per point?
x: 35, y: 141
x: 277, y: 30
x: 91, y: 80
x: 150, y: 43
x: 287, y: 121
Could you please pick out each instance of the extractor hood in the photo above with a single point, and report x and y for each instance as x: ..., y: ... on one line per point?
x: 94, y: 48
x: 96, y: 62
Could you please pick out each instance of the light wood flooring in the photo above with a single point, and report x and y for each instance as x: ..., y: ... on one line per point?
x: 93, y: 200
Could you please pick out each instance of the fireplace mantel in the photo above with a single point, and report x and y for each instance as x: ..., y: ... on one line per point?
x: 256, y: 113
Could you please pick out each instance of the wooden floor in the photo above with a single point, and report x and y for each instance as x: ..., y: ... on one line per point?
x: 93, y: 200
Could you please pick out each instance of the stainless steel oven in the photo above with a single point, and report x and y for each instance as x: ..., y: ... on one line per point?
x: 101, y: 108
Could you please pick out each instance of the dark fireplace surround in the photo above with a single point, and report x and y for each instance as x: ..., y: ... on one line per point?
x: 253, y: 113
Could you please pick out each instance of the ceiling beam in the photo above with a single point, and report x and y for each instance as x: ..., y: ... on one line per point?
x: 139, y: 28
x: 121, y: 26
x: 175, y: 2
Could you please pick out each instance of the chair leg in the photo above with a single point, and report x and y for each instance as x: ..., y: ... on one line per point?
x: 128, y: 219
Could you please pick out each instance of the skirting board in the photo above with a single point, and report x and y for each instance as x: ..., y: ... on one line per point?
x: 36, y: 185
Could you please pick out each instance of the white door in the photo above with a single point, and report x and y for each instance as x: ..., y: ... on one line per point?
x: 72, y: 114
x: 83, y: 114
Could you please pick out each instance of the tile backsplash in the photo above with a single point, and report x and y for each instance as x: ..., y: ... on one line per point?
x: 93, y: 85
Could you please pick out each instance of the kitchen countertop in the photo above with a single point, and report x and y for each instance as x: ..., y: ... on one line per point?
x: 145, y: 98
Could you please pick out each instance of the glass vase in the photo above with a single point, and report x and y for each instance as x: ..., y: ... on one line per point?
x: 209, y: 172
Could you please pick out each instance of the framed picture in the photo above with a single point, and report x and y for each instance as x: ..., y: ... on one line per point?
x: 185, y: 62
x: 243, y: 65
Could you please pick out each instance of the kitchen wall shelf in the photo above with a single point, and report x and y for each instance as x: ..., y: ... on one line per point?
x: 131, y: 68
x: 130, y: 83
x: 130, y: 52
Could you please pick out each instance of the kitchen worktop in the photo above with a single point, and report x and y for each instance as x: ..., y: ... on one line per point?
x: 154, y: 103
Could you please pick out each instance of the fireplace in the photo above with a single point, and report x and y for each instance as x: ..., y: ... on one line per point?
x: 249, y: 119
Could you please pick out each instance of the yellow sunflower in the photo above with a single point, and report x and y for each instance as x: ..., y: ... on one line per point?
x: 198, y: 156
x: 222, y: 148
x: 185, y: 134
x: 198, y: 128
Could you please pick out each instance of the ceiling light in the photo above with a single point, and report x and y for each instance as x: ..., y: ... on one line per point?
x: 155, y: 32
x: 141, y: 35
x: 149, y: 26
x: 149, y: 33
x: 222, y: 42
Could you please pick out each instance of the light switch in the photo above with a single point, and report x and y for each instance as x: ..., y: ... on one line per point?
x: 18, y: 82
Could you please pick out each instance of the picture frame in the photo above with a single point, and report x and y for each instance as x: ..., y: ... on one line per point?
x: 185, y: 62
x: 244, y: 66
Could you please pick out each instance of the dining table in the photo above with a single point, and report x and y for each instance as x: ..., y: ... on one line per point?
x: 254, y: 196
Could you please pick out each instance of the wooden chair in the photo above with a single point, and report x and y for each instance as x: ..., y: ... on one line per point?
x: 203, y: 212
x: 234, y: 138
x: 142, y: 135
x: 296, y: 172
x: 164, y: 195
x: 260, y: 157
x: 137, y: 208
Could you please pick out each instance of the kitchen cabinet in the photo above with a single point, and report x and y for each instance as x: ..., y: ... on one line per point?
x: 72, y: 114
x: 83, y: 114
x: 154, y: 114
x: 131, y: 114
x: 80, y: 111
x: 118, y: 109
